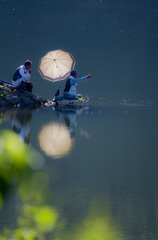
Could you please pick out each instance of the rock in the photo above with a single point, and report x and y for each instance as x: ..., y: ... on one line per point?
x: 7, y: 89
x: 40, y: 99
x: 12, y: 99
x: 2, y: 103
x: 11, y: 96
x: 28, y: 101
x: 20, y: 105
x: 30, y: 95
x: 10, y: 87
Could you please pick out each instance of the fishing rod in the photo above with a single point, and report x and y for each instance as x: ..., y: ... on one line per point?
x: 106, y: 99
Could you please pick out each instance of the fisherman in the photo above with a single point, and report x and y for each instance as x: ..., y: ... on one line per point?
x: 22, y: 75
x: 71, y: 84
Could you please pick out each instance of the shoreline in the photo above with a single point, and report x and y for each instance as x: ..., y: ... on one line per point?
x: 12, y: 97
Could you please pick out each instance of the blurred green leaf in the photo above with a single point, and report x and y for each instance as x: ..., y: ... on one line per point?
x: 45, y: 218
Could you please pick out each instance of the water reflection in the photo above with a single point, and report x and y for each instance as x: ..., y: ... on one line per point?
x: 97, y: 224
x: 69, y: 116
x: 56, y: 139
x: 19, y: 120
x: 20, y: 124
x: 117, y: 166
x: 37, y: 217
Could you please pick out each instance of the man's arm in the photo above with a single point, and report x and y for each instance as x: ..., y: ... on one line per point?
x: 75, y: 80
x: 24, y: 75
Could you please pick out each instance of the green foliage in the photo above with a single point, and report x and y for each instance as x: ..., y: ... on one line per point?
x: 37, y: 217
x: 37, y: 187
x: 16, y: 158
x: 45, y: 218
x: 13, y: 151
x: 24, y: 234
x: 97, y: 225
x: 18, y: 163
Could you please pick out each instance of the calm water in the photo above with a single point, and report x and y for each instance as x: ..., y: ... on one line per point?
x: 100, y: 171
x: 105, y: 167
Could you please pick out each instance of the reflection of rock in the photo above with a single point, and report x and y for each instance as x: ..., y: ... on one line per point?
x: 2, y: 103
x: 55, y: 140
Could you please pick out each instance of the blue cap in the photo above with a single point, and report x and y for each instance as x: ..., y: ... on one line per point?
x: 74, y: 72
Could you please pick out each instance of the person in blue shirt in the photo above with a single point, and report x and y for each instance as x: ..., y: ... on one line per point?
x: 71, y: 84
x: 22, y: 73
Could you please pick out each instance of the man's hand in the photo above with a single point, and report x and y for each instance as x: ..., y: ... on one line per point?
x: 89, y: 76
x: 30, y: 71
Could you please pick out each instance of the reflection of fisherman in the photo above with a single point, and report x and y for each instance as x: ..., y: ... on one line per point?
x: 22, y: 131
x: 71, y: 84
x: 20, y: 125
x: 22, y: 75
x: 70, y: 121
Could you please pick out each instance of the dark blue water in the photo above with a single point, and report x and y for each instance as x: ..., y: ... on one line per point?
x: 92, y: 31
x: 106, y: 175
x: 100, y: 171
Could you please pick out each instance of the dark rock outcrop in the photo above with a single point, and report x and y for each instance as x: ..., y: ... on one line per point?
x: 10, y: 96
x: 2, y: 103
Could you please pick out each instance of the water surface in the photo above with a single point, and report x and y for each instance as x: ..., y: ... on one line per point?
x: 107, y: 171
x: 100, y: 172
